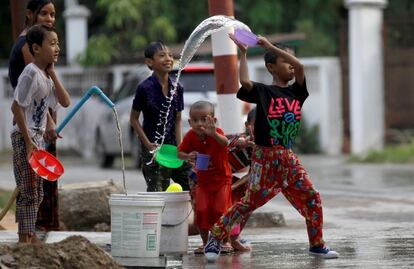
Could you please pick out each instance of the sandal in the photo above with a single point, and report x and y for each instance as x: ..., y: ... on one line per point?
x: 199, y: 250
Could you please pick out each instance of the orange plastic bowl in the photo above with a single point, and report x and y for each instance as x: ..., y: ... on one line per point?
x: 46, y: 165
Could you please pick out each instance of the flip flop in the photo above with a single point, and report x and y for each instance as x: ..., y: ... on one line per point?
x: 226, y: 249
x: 199, y: 250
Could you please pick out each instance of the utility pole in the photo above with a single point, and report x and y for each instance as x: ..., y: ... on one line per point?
x: 226, y: 72
x: 18, y: 16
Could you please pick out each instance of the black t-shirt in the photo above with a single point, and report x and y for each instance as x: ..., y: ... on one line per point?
x: 150, y: 99
x: 278, y: 112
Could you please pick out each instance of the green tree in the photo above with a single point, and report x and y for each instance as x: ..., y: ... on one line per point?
x: 129, y: 26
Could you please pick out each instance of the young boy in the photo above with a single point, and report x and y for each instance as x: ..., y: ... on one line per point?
x: 151, y: 98
x: 213, y: 188
x: 275, y: 167
x: 38, y: 89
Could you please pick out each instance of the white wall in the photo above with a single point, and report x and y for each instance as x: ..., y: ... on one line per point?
x: 323, y: 107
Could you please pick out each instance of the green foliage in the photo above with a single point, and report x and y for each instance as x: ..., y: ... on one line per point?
x: 161, y: 29
x: 391, y: 154
x: 100, y: 51
x: 318, y: 43
x: 307, y: 140
x: 129, y: 26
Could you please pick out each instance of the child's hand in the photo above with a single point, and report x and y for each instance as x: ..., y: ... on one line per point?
x: 30, y: 147
x: 51, y: 135
x: 241, y: 142
x: 151, y: 146
x: 192, y: 157
x: 50, y: 69
x: 242, y: 47
x: 210, y: 126
x: 263, y: 42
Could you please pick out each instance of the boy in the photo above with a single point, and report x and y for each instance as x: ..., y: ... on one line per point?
x: 275, y: 167
x: 213, y: 188
x: 151, y: 98
x: 38, y: 89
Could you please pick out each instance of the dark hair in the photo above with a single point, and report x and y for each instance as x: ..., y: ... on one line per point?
x: 35, y: 6
x: 152, y: 48
x: 251, y: 115
x: 203, y: 105
x: 36, y: 35
x: 271, y: 57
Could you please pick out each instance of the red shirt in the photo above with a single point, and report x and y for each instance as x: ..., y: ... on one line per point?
x: 218, y: 172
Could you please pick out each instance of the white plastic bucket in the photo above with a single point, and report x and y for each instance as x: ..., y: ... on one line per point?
x: 174, y: 228
x: 135, y: 225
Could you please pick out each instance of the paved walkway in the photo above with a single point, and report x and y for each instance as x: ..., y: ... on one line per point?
x: 368, y: 216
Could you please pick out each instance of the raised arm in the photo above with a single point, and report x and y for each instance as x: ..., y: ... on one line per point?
x: 210, y: 130
x: 61, y: 93
x: 291, y: 59
x: 243, y: 70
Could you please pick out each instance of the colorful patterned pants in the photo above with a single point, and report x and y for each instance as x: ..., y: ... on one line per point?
x: 29, y: 184
x: 274, y: 170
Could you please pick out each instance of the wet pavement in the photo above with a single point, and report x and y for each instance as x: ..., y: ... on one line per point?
x: 368, y: 216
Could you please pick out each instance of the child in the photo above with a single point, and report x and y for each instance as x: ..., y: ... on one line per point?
x: 151, y: 98
x: 240, y: 151
x: 38, y: 89
x: 38, y: 12
x: 275, y: 167
x: 213, y: 188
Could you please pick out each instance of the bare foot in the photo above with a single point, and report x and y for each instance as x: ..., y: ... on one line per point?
x: 35, y: 240
x: 237, y: 246
x: 24, y: 238
x: 199, y: 250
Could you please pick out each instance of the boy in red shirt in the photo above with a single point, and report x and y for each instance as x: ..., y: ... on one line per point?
x: 213, y: 188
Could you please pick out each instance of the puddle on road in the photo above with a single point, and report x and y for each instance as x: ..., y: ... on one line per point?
x: 366, y: 178
x: 358, y: 253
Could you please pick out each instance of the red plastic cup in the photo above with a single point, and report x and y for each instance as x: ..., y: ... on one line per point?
x: 245, y: 37
x: 46, y: 165
x: 202, y: 161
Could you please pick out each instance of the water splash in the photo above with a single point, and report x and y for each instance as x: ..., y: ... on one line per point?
x: 206, y: 28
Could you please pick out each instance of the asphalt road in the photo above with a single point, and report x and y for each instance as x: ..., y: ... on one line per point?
x: 368, y: 216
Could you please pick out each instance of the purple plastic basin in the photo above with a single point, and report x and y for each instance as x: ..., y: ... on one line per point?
x: 245, y: 37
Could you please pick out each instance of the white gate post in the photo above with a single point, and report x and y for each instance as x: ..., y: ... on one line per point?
x: 366, y: 74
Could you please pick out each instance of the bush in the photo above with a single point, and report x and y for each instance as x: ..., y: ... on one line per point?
x: 392, y: 154
x: 307, y: 140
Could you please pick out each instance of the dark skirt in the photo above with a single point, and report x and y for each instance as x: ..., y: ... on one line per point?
x: 48, y: 214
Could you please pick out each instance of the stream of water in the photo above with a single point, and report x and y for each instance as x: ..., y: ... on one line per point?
x: 118, y: 126
x: 200, y: 33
